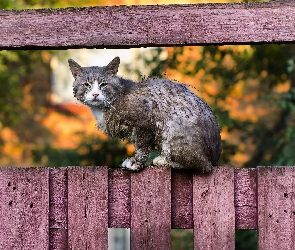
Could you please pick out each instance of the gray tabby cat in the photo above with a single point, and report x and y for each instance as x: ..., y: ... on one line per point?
x: 155, y: 114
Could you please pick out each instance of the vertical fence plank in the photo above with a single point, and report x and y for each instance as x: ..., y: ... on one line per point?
x: 151, y: 209
x: 58, y: 209
x: 119, y: 198
x: 246, y: 198
x: 276, y: 207
x: 182, y: 198
x: 88, y: 208
x: 24, y: 208
x: 214, y: 211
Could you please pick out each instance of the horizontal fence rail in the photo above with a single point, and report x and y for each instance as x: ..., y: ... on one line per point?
x: 83, y: 202
x: 141, y: 26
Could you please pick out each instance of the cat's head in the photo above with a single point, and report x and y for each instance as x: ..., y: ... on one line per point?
x: 96, y: 86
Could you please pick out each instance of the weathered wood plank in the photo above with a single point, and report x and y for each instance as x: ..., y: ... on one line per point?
x: 119, y: 198
x: 58, y: 209
x: 88, y: 207
x: 276, y: 207
x: 246, y: 198
x: 151, y: 209
x: 131, y: 26
x: 182, y: 198
x: 214, y: 211
x: 24, y: 208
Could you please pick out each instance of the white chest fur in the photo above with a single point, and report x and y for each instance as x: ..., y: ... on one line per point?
x: 99, y: 116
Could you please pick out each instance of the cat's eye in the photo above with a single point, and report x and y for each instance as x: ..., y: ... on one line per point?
x: 87, y: 85
x: 103, y: 85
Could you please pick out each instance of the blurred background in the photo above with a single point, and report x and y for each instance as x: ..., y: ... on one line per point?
x: 250, y: 88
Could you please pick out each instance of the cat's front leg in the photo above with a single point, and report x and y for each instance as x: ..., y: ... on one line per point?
x: 137, y: 162
x: 142, y: 151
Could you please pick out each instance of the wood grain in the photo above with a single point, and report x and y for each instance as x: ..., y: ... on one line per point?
x: 119, y: 198
x: 90, y: 188
x: 182, y: 199
x: 24, y: 208
x: 88, y: 208
x: 58, y: 208
x: 276, y: 210
x: 141, y: 26
x: 151, y: 209
x: 246, y: 198
x: 214, y: 211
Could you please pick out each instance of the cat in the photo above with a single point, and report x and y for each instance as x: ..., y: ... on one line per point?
x: 154, y: 114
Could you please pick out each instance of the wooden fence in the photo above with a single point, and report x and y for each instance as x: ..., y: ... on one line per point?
x: 72, y: 208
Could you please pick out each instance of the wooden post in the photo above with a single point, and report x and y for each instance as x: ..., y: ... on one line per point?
x: 246, y: 198
x: 182, y: 199
x: 119, y: 198
x: 276, y: 209
x: 88, y: 208
x: 58, y: 208
x: 24, y: 208
x: 214, y: 211
x: 151, y: 209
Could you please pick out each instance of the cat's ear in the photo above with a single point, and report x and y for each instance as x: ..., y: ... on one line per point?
x: 75, y: 68
x: 112, y: 67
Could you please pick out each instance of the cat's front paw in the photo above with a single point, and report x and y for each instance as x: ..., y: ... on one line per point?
x: 206, y: 169
x: 130, y: 163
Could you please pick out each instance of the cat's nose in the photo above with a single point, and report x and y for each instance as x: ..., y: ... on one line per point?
x: 95, y: 95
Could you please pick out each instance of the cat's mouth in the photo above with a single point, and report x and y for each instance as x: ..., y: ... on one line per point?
x: 94, y: 102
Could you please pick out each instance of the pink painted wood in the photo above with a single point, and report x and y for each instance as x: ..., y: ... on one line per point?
x: 58, y: 208
x: 182, y: 199
x: 214, y: 211
x: 246, y: 198
x: 24, y: 208
x: 88, y: 207
x: 119, y: 198
x: 151, y: 209
x: 26, y: 195
x: 276, y: 207
x: 131, y: 26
